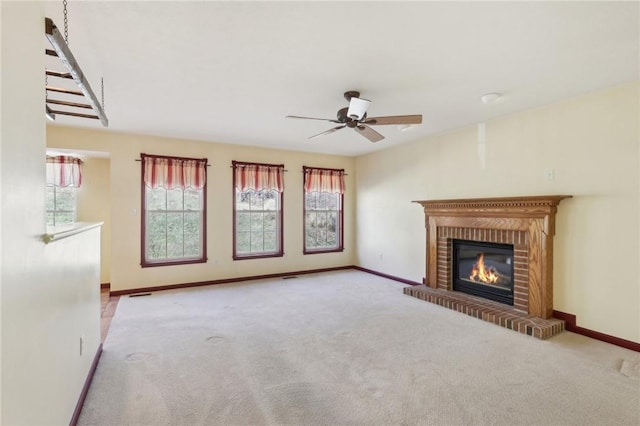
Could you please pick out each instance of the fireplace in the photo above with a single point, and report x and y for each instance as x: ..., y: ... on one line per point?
x: 513, y: 237
x: 483, y: 269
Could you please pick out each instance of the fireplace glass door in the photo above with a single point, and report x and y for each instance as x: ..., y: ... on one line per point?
x: 483, y: 269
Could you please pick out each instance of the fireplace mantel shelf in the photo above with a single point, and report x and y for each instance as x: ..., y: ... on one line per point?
x: 521, y: 206
x: 526, y: 222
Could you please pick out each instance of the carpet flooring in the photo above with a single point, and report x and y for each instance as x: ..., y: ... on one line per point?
x: 344, y: 348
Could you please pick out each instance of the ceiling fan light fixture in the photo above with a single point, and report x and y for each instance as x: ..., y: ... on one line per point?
x: 357, y: 108
x: 490, y: 98
x: 355, y: 117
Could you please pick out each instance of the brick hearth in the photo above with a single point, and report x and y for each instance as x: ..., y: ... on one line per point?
x: 490, y: 311
x: 528, y: 223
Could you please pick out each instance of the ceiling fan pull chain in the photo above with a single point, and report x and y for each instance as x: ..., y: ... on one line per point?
x: 66, y: 22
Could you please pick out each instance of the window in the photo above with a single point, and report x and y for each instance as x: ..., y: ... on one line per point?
x: 323, y: 216
x: 61, y: 205
x: 173, y: 210
x: 257, y: 210
x: 64, y: 177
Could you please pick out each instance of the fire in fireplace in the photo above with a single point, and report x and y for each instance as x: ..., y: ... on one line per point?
x: 483, y: 269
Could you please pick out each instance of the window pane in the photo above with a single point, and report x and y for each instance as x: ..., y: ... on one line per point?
x: 174, y: 199
x: 243, y: 242
x: 156, y: 198
x: 191, y: 199
x: 321, y: 203
x: 63, y: 218
x: 50, y: 221
x: 271, y: 200
x: 256, y: 222
x: 257, y: 201
x: 66, y: 198
x: 270, y: 241
x: 51, y: 199
x: 191, y: 223
x: 331, y: 201
x: 243, y: 200
x: 157, y: 248
x: 156, y: 234
x: 322, y: 221
x: 157, y: 225
x: 257, y: 242
x: 243, y: 221
x: 175, y: 236
x: 192, y: 247
x: 310, y: 200
x: 270, y: 221
x: 332, y: 222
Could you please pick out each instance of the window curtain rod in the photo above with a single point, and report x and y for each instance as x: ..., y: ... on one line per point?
x: 323, y: 168
x: 179, y: 158
x: 247, y: 164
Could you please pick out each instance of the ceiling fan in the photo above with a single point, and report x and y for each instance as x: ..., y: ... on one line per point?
x: 355, y: 117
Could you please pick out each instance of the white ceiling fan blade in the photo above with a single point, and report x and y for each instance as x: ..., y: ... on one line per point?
x: 357, y: 108
x: 326, y: 132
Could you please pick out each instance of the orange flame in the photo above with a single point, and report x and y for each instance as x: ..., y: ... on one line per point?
x: 481, y: 274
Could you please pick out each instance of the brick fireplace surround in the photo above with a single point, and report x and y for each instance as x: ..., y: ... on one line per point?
x: 528, y: 223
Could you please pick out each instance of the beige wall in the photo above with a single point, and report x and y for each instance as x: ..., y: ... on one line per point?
x: 123, y: 149
x: 94, y: 205
x: 50, y: 295
x: 591, y: 144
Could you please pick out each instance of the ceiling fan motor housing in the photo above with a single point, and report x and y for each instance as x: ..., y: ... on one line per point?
x: 351, y: 94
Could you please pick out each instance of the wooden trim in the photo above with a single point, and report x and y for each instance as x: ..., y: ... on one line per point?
x: 66, y: 103
x: 533, y: 214
x: 85, y: 388
x: 383, y: 275
x: 527, y: 204
x: 340, y: 247
x: 144, y: 263
x: 570, y: 325
x: 105, y: 285
x: 62, y: 90
x: 280, y: 213
x: 74, y: 114
x: 226, y: 280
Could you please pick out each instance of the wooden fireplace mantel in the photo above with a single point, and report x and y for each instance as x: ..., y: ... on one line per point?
x: 529, y: 219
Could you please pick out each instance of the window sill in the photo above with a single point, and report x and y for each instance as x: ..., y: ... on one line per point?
x: 258, y: 256
x: 147, y: 264
x: 64, y: 231
x: 334, y: 250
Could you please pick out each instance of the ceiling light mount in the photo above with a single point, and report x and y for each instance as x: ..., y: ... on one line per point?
x: 490, y: 98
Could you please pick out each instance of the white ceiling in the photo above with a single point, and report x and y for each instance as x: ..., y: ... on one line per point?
x: 230, y: 71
